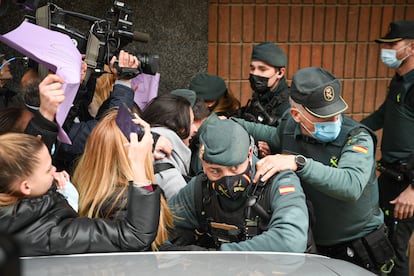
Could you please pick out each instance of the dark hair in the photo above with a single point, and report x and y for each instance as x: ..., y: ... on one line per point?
x: 9, y: 119
x: 200, y: 110
x: 171, y: 111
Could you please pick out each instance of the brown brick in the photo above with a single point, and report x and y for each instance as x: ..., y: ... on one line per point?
x: 330, y: 22
x: 246, y: 93
x: 293, y: 55
x: 283, y: 24
x: 235, y: 23
x: 352, y: 29
x: 369, y: 98
x: 307, y: 20
x: 348, y: 92
x: 399, y: 13
x: 363, y: 24
x: 248, y: 19
x: 341, y: 22
x: 246, y: 55
x: 316, y: 57
x: 387, y: 17
x: 212, y: 23
x: 223, y: 61
x: 212, y: 59
x: 328, y: 57
x: 375, y: 24
x: 361, y: 60
x: 271, y: 23
x: 373, y: 60
x: 260, y: 24
x: 223, y: 24
x: 305, y: 57
x: 234, y: 88
x: 318, y: 23
x: 349, y: 68
x: 339, y: 54
x: 295, y: 24
x: 358, y: 96
x: 235, y: 62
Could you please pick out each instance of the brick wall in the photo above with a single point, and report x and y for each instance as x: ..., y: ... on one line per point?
x: 337, y: 35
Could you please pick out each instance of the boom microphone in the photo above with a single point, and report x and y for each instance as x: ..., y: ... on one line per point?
x: 141, y: 37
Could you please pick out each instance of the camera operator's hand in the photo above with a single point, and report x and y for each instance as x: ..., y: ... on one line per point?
x: 125, y: 60
x: 51, y: 96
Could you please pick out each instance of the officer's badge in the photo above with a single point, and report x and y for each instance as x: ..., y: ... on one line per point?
x: 329, y: 93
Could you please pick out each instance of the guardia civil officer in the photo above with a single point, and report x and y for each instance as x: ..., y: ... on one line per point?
x: 221, y: 207
x: 267, y: 79
x: 270, y: 91
x: 334, y: 157
x: 396, y: 118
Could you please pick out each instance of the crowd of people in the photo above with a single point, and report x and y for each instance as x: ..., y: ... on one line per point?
x: 195, y: 170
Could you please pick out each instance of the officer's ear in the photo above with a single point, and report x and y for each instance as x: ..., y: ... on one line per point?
x: 295, y: 114
x: 281, y: 73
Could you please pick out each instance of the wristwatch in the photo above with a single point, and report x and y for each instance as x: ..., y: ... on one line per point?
x: 300, y: 161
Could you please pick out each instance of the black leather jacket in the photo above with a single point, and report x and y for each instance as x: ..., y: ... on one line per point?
x: 48, y: 225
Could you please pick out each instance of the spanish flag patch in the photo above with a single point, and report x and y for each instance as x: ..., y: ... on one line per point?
x: 286, y: 190
x: 360, y: 149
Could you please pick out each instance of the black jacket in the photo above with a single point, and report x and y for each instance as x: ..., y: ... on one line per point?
x: 48, y: 225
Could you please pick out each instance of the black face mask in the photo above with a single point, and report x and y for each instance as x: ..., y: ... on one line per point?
x: 259, y: 84
x: 233, y: 186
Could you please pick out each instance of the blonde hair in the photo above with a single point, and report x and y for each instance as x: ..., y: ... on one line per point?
x: 103, y: 172
x: 103, y: 89
x: 18, y: 159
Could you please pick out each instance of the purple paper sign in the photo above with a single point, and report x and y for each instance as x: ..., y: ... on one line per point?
x: 58, y: 53
x: 147, y: 88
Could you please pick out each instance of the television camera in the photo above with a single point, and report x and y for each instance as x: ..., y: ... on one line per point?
x: 103, y: 38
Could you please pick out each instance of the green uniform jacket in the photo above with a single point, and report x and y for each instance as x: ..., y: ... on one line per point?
x: 288, y: 225
x: 396, y: 117
x: 342, y: 187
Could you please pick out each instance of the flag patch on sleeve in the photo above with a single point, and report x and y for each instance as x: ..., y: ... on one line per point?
x: 286, y: 189
x: 360, y: 149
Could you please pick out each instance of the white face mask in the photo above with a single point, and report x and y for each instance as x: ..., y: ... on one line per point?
x: 389, y: 57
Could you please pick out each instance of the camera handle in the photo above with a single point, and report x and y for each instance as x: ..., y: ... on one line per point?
x: 126, y: 73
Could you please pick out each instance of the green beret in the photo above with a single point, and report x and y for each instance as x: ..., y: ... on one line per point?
x: 318, y: 91
x: 269, y: 53
x: 225, y: 143
x: 208, y: 87
x: 397, y: 31
x: 190, y: 95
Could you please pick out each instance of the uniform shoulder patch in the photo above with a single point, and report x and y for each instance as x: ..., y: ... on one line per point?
x: 286, y: 189
x: 361, y: 149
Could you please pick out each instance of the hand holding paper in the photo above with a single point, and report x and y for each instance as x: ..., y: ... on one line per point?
x: 51, y: 96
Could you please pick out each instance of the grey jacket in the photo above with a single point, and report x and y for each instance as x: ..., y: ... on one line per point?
x: 172, y: 180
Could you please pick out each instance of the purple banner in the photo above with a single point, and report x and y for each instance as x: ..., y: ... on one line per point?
x: 58, y: 53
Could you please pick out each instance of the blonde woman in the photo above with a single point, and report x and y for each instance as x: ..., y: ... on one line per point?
x: 102, y: 174
x: 42, y: 221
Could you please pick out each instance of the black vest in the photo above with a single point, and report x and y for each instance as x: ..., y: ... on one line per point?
x: 248, y: 219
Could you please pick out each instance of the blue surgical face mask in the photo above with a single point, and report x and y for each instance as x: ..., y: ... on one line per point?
x: 389, y: 57
x: 325, y: 131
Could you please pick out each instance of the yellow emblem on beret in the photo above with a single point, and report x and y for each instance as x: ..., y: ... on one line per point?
x: 329, y: 93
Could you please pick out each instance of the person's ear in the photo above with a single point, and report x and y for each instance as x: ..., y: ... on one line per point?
x: 281, y: 73
x: 24, y: 187
x: 295, y: 114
